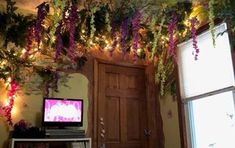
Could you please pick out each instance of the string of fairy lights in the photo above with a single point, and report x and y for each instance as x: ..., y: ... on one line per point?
x: 62, y: 35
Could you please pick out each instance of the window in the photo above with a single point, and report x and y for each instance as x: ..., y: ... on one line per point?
x: 207, y: 89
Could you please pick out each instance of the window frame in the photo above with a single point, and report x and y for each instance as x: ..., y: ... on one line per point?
x: 183, y: 106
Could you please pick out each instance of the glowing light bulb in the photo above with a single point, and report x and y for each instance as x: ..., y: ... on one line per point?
x: 35, y: 49
x: 9, y: 79
x: 106, y: 41
x: 53, y: 38
x: 3, y: 62
x: 23, y: 51
x: 91, y: 42
x: 40, y: 45
x: 6, y: 102
x: 109, y: 47
x: 31, y: 56
x: 14, y: 110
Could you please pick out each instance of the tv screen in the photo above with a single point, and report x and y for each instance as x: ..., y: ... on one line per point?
x: 62, y: 112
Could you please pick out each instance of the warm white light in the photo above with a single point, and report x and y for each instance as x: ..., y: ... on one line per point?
x: 109, y: 47
x: 106, y: 41
x: 6, y: 102
x: 23, y: 51
x: 40, y: 45
x: 9, y: 79
x: 139, y: 50
x: 31, y: 56
x: 3, y: 62
x: 35, y: 49
x: 14, y: 110
x: 91, y: 42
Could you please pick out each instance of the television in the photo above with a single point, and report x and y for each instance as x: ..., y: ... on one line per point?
x: 62, y: 112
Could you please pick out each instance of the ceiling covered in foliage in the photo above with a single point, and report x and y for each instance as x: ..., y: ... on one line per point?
x: 64, y: 32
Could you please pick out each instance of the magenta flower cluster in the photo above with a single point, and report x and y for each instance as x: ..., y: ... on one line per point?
x: 41, y: 14
x: 114, y: 37
x: 135, y: 30
x: 193, y: 22
x: 124, y: 33
x: 11, y: 95
x: 56, y: 80
x: 59, y: 41
x: 30, y: 37
x: 72, y: 21
x: 171, y: 29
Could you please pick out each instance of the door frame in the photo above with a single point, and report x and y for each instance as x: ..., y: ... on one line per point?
x: 154, y: 119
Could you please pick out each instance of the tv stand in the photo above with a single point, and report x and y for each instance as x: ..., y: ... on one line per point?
x: 47, y: 142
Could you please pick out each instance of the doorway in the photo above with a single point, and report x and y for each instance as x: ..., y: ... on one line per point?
x: 121, y: 107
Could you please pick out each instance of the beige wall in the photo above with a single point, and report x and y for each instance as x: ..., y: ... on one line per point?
x: 28, y: 107
x: 169, y: 112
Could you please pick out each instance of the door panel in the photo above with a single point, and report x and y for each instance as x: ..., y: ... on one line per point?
x: 133, y: 120
x: 112, y: 119
x: 121, y: 107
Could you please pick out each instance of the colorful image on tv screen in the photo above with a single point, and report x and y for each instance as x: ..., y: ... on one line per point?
x: 62, y: 111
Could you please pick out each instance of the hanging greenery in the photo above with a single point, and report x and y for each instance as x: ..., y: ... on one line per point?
x: 212, y: 19
x: 62, y: 34
x: 224, y: 10
x: 156, y: 35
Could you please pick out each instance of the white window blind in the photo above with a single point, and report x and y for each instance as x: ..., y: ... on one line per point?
x: 212, y: 71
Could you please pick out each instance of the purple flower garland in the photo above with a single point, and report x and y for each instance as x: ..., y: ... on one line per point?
x: 114, y: 37
x: 47, y: 89
x: 135, y: 30
x: 59, y: 42
x: 124, y: 33
x: 30, y: 37
x: 171, y: 29
x: 41, y: 14
x: 72, y: 22
x: 56, y: 79
x: 193, y: 22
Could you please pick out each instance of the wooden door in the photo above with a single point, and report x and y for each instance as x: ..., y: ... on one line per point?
x: 121, y: 107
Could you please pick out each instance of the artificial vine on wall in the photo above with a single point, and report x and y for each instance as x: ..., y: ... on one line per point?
x: 62, y: 34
